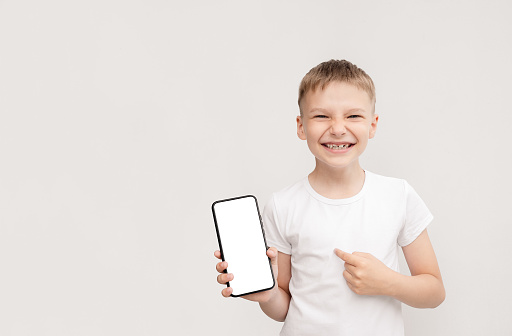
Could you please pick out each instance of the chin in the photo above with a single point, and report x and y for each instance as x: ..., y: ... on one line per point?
x: 339, y: 165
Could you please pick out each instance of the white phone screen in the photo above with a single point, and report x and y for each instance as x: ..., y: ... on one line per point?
x: 242, y: 244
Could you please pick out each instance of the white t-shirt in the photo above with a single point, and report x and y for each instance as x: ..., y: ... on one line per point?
x: 385, y: 214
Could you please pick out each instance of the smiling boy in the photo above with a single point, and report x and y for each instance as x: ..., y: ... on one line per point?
x: 336, y: 234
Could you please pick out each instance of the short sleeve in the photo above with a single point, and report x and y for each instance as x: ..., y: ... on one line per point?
x: 274, y: 232
x: 416, y: 218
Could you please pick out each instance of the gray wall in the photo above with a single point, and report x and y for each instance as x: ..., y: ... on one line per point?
x: 122, y: 121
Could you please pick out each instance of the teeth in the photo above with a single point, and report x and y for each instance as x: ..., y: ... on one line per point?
x: 331, y: 146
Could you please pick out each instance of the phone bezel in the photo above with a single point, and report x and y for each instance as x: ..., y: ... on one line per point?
x: 219, y: 240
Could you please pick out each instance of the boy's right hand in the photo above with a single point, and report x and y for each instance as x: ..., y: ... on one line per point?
x: 224, y: 278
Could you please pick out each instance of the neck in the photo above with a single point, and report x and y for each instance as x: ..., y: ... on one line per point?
x: 336, y: 183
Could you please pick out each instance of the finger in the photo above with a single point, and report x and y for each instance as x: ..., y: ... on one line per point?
x: 272, y: 254
x: 350, y: 268
x: 346, y: 257
x: 362, y: 254
x: 222, y: 266
x: 217, y: 254
x: 348, y: 277
x: 224, y: 278
x: 351, y: 287
x: 226, y: 292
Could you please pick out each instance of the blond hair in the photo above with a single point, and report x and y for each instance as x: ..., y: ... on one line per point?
x: 336, y: 70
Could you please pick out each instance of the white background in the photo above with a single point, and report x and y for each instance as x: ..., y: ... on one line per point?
x: 122, y: 121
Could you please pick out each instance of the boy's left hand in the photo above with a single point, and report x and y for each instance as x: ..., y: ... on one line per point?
x: 365, y: 274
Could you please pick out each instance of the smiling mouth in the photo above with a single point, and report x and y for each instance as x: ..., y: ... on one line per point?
x: 343, y: 146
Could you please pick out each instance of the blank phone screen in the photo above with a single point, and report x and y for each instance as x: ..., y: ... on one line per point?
x: 242, y: 244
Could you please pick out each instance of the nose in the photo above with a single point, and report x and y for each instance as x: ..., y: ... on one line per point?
x: 338, y: 127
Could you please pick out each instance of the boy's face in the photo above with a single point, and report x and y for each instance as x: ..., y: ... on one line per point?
x: 337, y: 123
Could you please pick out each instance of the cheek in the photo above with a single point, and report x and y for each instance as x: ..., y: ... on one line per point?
x: 315, y: 130
x: 313, y: 137
x: 364, y: 132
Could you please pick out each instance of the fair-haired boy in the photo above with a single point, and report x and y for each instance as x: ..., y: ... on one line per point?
x: 335, y: 235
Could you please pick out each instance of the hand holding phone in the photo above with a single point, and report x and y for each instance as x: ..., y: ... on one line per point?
x: 242, y: 243
x: 223, y: 278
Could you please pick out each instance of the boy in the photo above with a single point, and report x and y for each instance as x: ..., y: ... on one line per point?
x: 335, y: 234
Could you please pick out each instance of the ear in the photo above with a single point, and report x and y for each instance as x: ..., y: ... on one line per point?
x: 373, y: 126
x: 300, y: 129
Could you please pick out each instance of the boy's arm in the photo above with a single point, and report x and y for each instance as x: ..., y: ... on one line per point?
x: 277, y: 306
x: 367, y: 275
x: 424, y: 288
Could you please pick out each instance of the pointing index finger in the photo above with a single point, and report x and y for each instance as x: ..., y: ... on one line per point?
x: 345, y: 256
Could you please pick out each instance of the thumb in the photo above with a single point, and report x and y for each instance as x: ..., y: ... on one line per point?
x: 272, y: 254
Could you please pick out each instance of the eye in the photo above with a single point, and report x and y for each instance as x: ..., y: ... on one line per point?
x: 320, y: 116
x: 354, y: 116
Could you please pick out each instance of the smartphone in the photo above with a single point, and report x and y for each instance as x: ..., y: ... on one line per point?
x: 242, y: 244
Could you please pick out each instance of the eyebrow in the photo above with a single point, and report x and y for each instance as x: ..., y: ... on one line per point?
x: 317, y: 109
x: 354, y: 110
